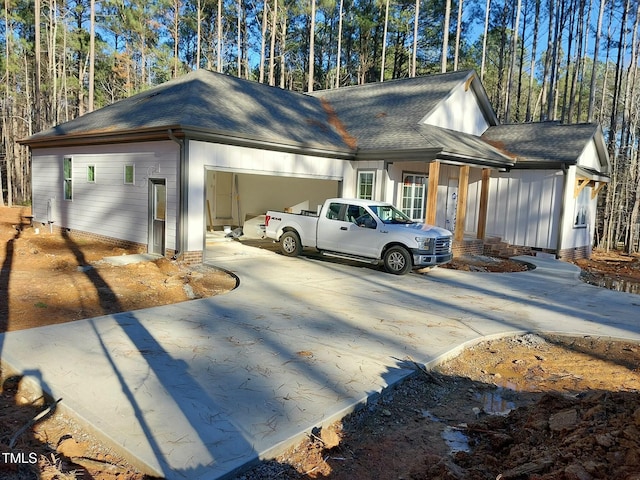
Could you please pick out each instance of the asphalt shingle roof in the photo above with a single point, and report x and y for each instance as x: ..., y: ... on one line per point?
x: 215, y: 103
x: 382, y: 118
x: 542, y: 142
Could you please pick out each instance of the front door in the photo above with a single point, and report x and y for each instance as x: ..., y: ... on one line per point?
x: 157, y: 215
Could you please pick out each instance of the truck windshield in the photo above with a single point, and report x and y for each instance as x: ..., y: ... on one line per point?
x: 389, y: 214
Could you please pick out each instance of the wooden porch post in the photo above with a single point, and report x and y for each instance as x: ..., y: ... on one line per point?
x: 484, y: 202
x: 461, y: 209
x: 432, y: 193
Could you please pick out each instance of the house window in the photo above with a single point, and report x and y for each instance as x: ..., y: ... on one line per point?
x: 366, y: 180
x: 581, y: 214
x: 91, y: 173
x: 414, y: 189
x: 67, y: 172
x: 129, y: 174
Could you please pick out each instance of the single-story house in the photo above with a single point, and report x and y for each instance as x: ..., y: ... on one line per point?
x: 164, y: 167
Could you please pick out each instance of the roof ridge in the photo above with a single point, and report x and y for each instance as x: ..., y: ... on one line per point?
x: 392, y: 81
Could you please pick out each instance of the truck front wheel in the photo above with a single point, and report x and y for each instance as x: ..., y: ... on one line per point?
x: 397, y: 260
x: 290, y: 244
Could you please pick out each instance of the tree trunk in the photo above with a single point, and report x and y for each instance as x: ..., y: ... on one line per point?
x: 272, y: 48
x: 384, y: 38
x: 199, y: 34
x: 37, y: 95
x: 512, y: 63
x: 414, y: 54
x: 445, y: 36
x: 484, y: 40
x: 92, y: 55
x: 312, y: 35
x: 219, y: 39
x: 283, y: 49
x: 239, y: 38
x: 569, y: 63
x: 594, y: 68
x: 263, y: 44
x: 530, y: 114
x: 458, y: 34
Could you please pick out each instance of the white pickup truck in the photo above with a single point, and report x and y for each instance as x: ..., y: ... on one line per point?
x: 363, y: 230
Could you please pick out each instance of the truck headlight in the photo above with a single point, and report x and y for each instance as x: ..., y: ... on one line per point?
x: 424, y: 243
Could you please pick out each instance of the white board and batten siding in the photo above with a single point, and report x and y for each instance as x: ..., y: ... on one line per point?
x: 524, y: 207
x: 106, y: 206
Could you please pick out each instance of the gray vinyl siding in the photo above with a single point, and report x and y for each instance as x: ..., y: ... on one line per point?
x: 109, y: 206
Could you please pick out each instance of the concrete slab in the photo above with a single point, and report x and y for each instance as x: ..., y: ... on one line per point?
x: 204, y: 388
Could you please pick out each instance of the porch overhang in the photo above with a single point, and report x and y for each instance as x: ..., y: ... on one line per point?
x: 586, y: 177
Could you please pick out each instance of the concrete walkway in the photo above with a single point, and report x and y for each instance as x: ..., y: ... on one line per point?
x: 200, y: 389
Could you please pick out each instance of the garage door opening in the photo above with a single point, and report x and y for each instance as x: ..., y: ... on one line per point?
x: 236, y: 202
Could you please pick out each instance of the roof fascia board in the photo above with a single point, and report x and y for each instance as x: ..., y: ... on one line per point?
x: 452, y: 159
x: 171, y: 132
x: 399, y: 155
x: 592, y: 176
x: 101, y: 138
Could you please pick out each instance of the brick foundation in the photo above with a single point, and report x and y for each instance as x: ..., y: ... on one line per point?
x: 193, y: 257
x: 467, y: 247
x: 578, y: 253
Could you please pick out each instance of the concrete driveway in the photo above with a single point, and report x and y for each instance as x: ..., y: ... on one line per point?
x: 204, y: 388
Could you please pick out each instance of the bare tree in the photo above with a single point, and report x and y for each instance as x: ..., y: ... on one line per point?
x: 265, y: 6
x: 272, y: 49
x: 484, y: 39
x: 514, y: 49
x: 219, y: 39
x: 312, y: 36
x: 458, y: 35
x: 594, y: 68
x: 445, y: 36
x: 414, y: 52
x: 384, y: 39
x: 92, y: 55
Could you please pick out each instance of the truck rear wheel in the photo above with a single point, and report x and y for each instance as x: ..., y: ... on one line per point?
x: 290, y: 244
x: 397, y: 260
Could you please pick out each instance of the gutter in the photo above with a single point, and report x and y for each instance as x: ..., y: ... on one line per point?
x: 181, y: 237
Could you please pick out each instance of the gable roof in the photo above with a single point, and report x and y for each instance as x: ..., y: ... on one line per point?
x: 386, y: 119
x: 210, y: 105
x: 371, y: 121
x: 548, y: 144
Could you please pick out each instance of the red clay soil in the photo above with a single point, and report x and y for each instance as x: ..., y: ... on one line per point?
x: 569, y: 406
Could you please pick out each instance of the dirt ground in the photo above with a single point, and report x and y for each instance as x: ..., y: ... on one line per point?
x: 526, y: 407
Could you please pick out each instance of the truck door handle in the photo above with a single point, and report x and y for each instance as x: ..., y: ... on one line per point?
x: 343, y: 228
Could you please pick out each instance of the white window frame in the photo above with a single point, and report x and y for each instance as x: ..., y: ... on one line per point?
x: 133, y: 174
x: 67, y: 181
x: 91, y: 169
x: 581, y: 211
x: 415, y: 213
x: 360, y: 184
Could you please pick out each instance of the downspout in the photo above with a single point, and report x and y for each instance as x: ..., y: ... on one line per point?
x: 181, y: 240
x: 565, y: 186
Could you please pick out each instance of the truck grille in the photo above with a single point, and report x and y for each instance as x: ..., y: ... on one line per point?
x: 443, y: 245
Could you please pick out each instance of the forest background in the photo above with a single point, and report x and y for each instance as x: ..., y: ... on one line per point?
x: 571, y: 61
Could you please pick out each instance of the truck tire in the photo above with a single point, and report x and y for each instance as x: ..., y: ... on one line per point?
x: 397, y: 260
x: 290, y: 244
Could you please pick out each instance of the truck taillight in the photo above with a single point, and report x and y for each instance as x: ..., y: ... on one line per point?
x: 266, y: 220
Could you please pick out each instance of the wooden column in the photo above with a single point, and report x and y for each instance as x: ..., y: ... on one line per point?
x: 484, y: 202
x: 432, y: 193
x: 461, y: 210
